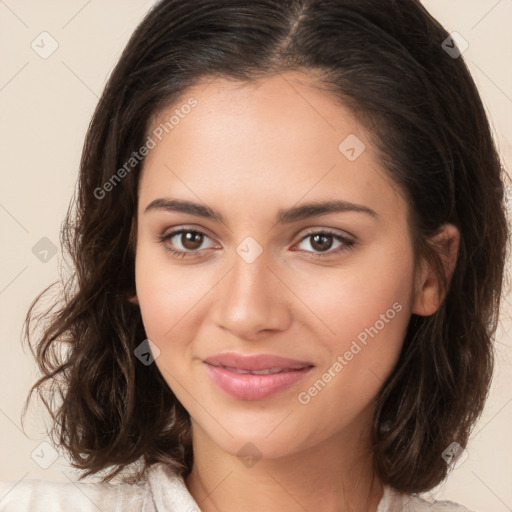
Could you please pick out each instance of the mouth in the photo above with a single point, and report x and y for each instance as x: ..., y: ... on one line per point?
x: 255, y: 377
x: 266, y: 371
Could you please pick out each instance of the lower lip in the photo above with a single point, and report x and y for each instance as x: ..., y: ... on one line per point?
x: 246, y: 386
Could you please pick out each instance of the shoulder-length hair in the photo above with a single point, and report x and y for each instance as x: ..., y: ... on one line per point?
x: 388, y: 62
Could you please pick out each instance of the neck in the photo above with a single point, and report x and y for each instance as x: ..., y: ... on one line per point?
x: 338, y: 480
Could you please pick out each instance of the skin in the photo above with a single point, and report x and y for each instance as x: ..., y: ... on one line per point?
x: 248, y: 152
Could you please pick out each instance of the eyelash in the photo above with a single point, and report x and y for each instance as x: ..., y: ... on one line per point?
x: 348, y: 244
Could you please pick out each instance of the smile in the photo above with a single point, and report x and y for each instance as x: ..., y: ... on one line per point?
x: 254, y: 377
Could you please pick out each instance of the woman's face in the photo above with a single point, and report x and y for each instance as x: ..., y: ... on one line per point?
x: 291, y: 243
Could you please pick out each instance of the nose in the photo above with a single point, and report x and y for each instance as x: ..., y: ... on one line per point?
x: 251, y: 300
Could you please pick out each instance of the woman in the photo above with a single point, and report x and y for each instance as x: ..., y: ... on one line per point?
x: 289, y: 241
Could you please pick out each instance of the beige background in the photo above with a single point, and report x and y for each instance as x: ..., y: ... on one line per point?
x: 46, y: 105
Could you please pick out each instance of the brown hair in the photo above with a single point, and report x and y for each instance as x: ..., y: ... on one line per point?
x: 386, y: 62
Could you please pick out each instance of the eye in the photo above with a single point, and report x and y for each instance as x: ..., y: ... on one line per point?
x: 187, y: 242
x: 323, y: 241
x: 184, y: 241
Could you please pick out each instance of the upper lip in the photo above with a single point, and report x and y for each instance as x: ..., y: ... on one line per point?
x: 255, y: 362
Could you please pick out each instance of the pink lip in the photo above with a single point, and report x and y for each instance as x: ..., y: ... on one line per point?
x: 222, y: 369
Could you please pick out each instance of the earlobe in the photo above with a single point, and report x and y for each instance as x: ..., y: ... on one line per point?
x: 133, y: 299
x: 429, y: 287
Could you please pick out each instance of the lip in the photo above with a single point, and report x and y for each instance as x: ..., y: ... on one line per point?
x: 225, y: 371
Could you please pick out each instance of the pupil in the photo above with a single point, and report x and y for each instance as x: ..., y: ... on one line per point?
x: 322, y: 242
x: 191, y: 240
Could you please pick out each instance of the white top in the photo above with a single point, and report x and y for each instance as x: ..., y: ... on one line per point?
x: 163, y: 491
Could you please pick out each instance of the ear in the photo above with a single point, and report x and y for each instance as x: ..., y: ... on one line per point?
x: 134, y: 299
x: 429, y: 292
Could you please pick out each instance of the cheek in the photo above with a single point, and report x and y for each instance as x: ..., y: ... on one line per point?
x: 169, y: 297
x: 367, y: 310
x: 167, y: 293
x: 348, y: 300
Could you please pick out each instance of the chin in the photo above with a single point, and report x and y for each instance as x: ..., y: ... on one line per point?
x: 250, y: 447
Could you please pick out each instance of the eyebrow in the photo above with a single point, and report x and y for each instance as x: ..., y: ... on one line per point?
x: 287, y: 216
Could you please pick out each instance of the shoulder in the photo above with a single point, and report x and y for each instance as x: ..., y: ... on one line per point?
x: 420, y: 505
x: 391, y: 500
x: 161, y: 489
x: 46, y: 496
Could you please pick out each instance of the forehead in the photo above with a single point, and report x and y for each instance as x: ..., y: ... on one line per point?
x: 278, y: 138
x: 293, y: 107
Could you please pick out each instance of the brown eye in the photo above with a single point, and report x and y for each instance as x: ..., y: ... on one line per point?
x: 185, y: 242
x: 321, y: 242
x: 325, y: 243
x: 191, y: 240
